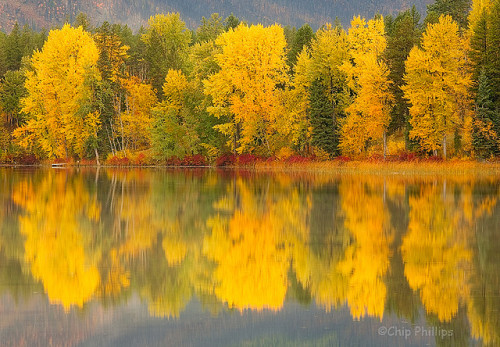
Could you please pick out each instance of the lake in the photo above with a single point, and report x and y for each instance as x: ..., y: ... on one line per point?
x: 158, y: 257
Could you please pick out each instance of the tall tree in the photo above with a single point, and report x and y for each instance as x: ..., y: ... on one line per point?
x: 403, y: 32
x: 438, y: 86
x: 302, y: 38
x: 368, y: 116
x: 58, y: 85
x: 248, y: 88
x: 210, y: 28
x: 167, y: 41
x: 457, y: 9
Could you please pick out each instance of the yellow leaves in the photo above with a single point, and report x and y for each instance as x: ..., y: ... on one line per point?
x: 437, y: 84
x: 57, y: 89
x: 135, y: 122
x: 369, y: 115
x: 174, y: 88
x: 246, y: 88
x: 57, y: 216
x: 367, y: 259
x: 434, y: 256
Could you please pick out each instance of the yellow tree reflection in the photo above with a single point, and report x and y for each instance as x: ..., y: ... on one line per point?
x: 367, y: 258
x: 250, y: 243
x: 59, y: 217
x: 435, y: 253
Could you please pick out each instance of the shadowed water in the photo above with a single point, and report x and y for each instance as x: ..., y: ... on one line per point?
x: 195, y: 258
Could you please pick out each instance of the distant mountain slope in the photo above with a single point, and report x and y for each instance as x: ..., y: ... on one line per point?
x: 46, y: 13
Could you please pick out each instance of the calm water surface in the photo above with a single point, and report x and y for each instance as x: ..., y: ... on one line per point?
x: 196, y: 258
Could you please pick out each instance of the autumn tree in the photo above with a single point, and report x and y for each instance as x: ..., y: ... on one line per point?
x: 174, y: 119
x: 248, y: 90
x: 438, y: 86
x: 58, y: 85
x: 368, y: 116
x: 167, y: 40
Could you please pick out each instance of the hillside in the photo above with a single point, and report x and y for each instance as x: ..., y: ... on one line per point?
x: 47, y: 13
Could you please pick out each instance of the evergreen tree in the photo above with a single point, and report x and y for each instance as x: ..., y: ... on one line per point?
x: 486, y: 127
x: 302, y: 37
x: 457, y: 9
x: 492, y: 64
x: 403, y: 33
x: 13, y: 49
x: 231, y: 22
x: 210, y: 28
x: 325, y: 129
x: 12, y: 89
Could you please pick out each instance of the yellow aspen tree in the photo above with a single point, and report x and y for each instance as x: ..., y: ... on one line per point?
x: 368, y: 116
x: 248, y: 90
x: 136, y: 120
x: 437, y: 86
x: 57, y: 89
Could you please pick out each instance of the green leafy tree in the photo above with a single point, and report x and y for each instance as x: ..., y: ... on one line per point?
x: 167, y: 47
x: 12, y: 90
x: 210, y: 28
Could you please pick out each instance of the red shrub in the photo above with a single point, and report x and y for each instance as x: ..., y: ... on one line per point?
x: 194, y: 160
x: 226, y: 160
x: 173, y: 161
x: 247, y: 159
x: 407, y: 156
x: 117, y: 161
x: 26, y: 159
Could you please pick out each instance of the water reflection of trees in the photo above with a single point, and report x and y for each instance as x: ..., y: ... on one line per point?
x: 253, y: 241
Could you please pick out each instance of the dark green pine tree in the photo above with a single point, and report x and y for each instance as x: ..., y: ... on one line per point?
x: 13, y: 49
x: 3, y: 62
x: 457, y: 9
x: 231, y: 22
x: 492, y: 64
x: 479, y: 46
x: 403, y: 33
x: 484, y: 144
x: 322, y: 115
x: 302, y: 37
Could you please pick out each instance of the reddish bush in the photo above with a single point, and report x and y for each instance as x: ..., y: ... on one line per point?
x: 26, y: 159
x: 119, y: 161
x: 407, y: 156
x: 247, y: 159
x: 225, y: 160
x: 173, y: 161
x: 140, y: 160
x: 194, y: 160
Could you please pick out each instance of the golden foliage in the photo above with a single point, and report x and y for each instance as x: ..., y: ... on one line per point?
x: 58, y: 86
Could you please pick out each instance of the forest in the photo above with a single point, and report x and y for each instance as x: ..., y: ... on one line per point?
x: 389, y: 86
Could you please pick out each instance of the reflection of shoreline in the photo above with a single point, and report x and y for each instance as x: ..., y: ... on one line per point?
x: 255, y: 242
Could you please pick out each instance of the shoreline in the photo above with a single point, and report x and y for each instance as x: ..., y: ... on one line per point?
x: 459, y: 167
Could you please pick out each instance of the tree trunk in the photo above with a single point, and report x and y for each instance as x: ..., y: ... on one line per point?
x: 444, y: 147
x: 97, y: 156
x: 385, y: 145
